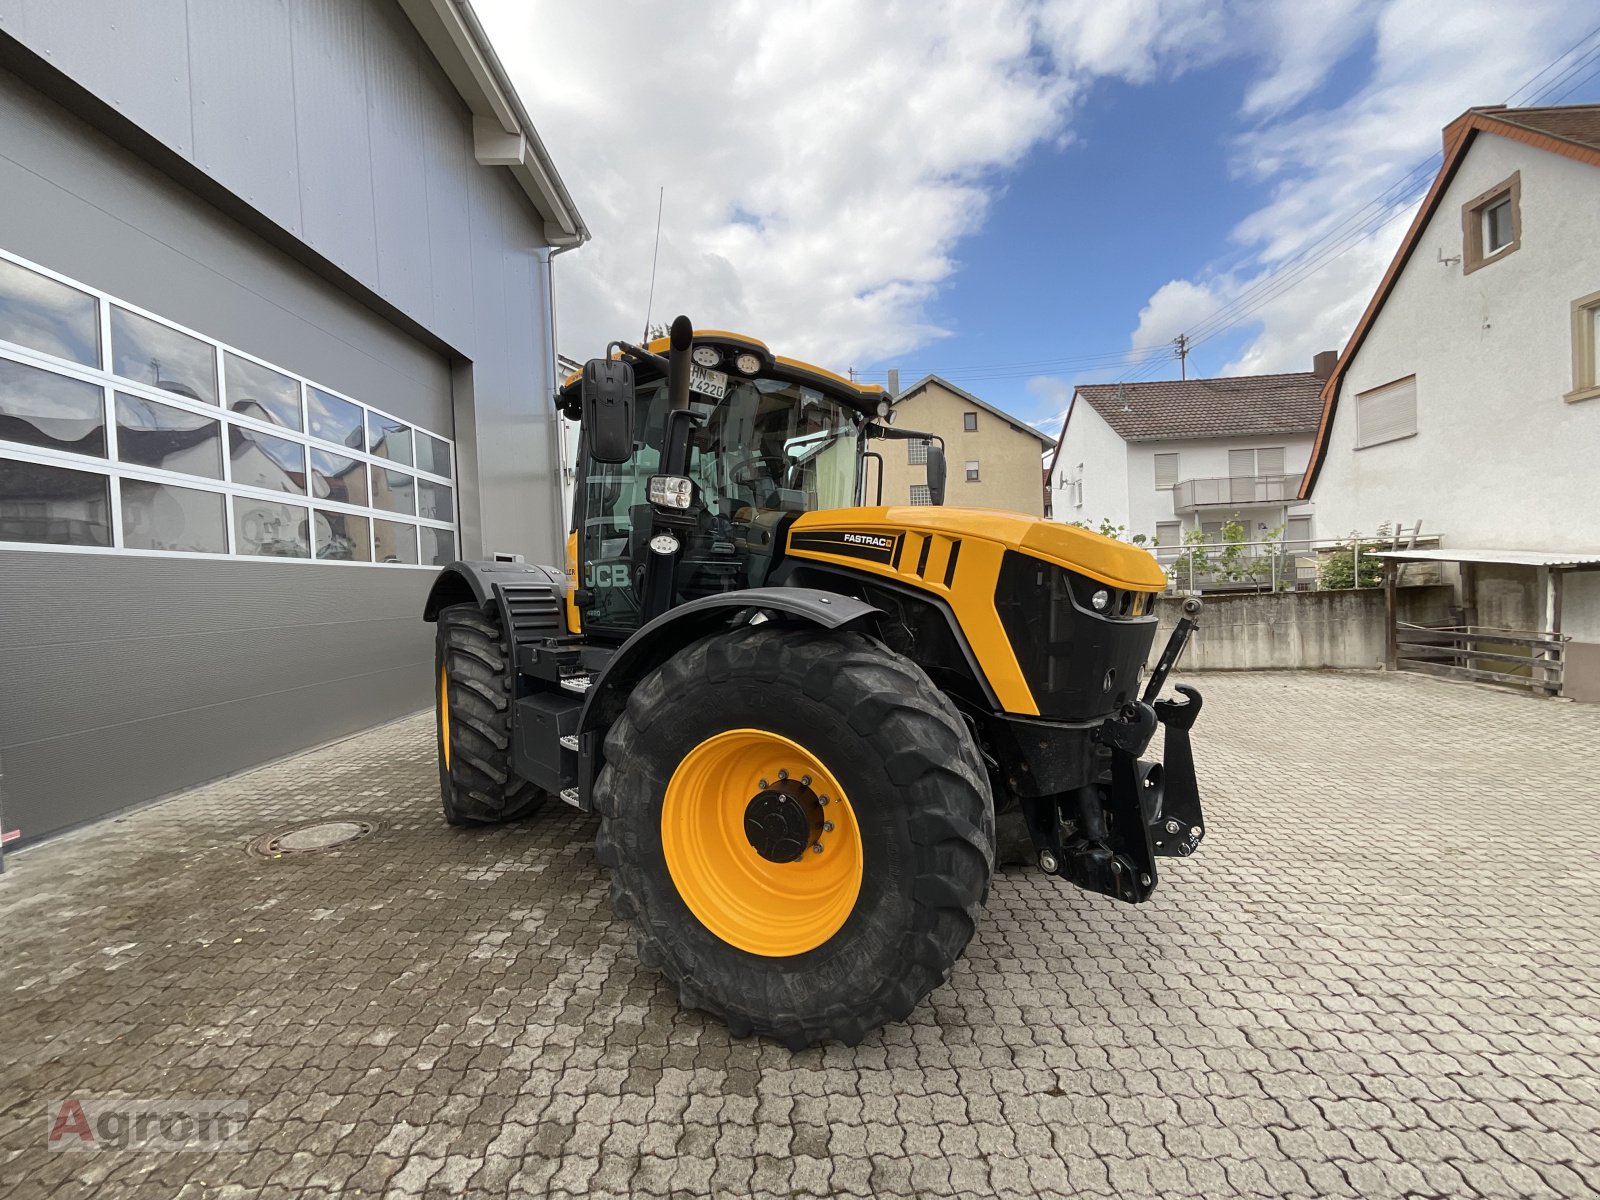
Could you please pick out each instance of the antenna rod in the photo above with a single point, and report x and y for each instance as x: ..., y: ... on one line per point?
x: 661, y: 198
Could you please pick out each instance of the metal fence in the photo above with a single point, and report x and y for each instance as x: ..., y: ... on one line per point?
x: 1274, y: 565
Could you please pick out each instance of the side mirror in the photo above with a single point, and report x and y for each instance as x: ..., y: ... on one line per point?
x: 607, y: 414
x: 935, y: 471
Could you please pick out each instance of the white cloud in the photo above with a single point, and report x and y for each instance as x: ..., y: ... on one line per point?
x: 1054, y: 394
x: 1325, y: 164
x: 824, y: 159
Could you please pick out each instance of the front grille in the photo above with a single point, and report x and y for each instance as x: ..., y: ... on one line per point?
x: 1079, y: 664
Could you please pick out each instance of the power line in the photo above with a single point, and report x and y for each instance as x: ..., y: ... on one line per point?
x: 1346, y: 233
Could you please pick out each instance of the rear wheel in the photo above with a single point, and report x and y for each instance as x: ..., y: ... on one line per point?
x: 472, y: 676
x: 799, y: 827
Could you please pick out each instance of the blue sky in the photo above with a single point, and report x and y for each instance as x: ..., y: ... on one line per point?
x: 998, y: 190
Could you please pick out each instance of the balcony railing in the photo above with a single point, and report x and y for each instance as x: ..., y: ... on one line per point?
x: 1239, y: 489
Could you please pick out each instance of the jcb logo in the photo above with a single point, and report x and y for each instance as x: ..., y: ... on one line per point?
x: 607, y: 575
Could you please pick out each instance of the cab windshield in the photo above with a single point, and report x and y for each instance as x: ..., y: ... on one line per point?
x: 765, y: 450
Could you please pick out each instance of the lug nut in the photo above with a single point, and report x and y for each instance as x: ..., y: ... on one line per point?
x: 765, y: 785
x: 805, y: 781
x: 822, y: 799
x: 783, y: 773
x: 816, y: 847
x: 827, y: 827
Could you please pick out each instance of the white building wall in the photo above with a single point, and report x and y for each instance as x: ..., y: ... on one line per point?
x: 1091, y: 447
x: 1499, y: 460
x: 1206, y: 458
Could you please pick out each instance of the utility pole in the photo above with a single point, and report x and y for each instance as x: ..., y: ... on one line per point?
x: 1182, y: 343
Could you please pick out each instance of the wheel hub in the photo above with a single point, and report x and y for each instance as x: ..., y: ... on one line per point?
x: 783, y: 821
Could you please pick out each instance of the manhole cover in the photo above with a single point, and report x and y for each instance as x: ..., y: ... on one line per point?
x: 322, y: 836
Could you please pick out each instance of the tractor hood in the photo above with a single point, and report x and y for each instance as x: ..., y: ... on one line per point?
x: 883, y: 529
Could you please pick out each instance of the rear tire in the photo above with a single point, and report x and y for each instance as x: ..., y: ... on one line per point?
x: 472, y: 718
x: 918, y: 797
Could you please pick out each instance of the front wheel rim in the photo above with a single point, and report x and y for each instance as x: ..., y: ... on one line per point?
x: 735, y: 889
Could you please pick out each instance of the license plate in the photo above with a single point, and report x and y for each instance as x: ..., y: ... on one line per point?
x: 708, y: 383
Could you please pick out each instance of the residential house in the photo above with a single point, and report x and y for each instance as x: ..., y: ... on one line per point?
x: 1469, y: 395
x: 1171, y: 456
x: 991, y: 456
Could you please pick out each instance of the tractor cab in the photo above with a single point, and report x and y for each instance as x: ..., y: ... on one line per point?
x: 761, y: 441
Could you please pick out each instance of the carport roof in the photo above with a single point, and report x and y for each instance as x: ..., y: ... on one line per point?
x: 1510, y: 558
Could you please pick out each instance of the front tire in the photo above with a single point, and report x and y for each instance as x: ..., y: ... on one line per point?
x: 472, y: 719
x: 712, y: 775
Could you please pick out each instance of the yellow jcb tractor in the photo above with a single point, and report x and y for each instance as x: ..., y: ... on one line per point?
x: 799, y: 715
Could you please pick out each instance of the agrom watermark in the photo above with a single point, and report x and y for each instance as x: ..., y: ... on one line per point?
x: 121, y: 1123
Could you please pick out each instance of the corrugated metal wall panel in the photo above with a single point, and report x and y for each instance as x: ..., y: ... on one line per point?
x: 75, y: 202
x: 447, y: 133
x: 244, y: 104
x: 137, y: 58
x: 395, y: 125
x: 330, y: 104
x: 130, y: 677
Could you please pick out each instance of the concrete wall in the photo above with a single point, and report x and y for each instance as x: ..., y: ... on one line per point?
x: 1009, y: 470
x: 1296, y: 630
x: 1500, y: 458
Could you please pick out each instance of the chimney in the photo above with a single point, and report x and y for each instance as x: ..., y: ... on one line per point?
x: 894, y: 381
x: 1322, y: 365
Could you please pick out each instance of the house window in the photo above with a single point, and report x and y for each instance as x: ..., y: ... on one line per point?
x: 969, y: 422
x: 1387, y: 413
x: 1077, y: 488
x: 1166, y: 471
x: 1585, y: 348
x: 921, y: 493
x: 1267, y: 460
x: 121, y: 431
x: 917, y: 451
x: 1491, y: 224
x: 972, y: 470
x: 1169, y: 538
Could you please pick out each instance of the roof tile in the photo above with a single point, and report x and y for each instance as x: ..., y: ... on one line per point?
x: 1233, y: 406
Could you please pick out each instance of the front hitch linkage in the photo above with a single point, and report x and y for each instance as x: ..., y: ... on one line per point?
x: 1105, y: 837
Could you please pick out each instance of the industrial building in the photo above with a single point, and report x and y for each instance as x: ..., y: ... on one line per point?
x: 276, y: 340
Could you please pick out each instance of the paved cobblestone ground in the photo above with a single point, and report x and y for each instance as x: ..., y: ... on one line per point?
x: 1378, y: 978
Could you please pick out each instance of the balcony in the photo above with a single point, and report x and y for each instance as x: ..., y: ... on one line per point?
x: 1193, y: 494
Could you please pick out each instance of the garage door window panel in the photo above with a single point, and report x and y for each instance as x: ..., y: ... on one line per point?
x: 85, y: 378
x: 147, y: 351
x: 337, y: 420
x: 262, y: 393
x: 433, y: 455
x: 343, y: 537
x: 394, y: 542
x: 438, y: 547
x: 47, y: 316
x: 53, y: 412
x: 152, y: 434
x: 394, y: 491
x: 271, y: 530
x: 389, y: 438
x: 264, y: 461
x: 44, y: 504
x: 164, y: 516
x: 338, y: 478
